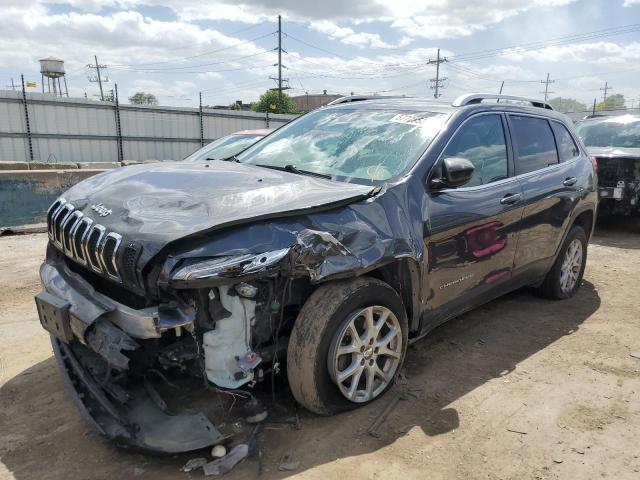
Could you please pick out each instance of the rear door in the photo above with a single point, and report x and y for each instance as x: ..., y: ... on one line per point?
x: 550, y: 186
x: 472, y: 230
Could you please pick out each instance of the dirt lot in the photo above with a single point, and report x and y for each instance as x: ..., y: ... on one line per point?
x: 522, y: 388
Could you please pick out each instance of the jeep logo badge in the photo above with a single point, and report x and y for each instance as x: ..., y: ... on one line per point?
x: 101, y: 210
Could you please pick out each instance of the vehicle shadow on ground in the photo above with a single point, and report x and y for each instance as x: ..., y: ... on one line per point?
x: 43, y: 436
x: 618, y: 232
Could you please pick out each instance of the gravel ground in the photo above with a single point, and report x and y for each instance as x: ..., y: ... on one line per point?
x: 522, y: 388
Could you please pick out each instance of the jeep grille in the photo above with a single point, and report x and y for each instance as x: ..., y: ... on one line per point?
x: 83, y: 240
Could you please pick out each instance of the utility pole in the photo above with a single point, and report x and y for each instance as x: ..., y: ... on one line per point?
x: 437, y: 83
x: 13, y: 85
x: 546, y: 87
x: 500, y: 92
x: 605, y: 90
x: 279, y: 79
x: 98, y: 78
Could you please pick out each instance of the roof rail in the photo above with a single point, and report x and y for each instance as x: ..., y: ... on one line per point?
x: 360, y: 98
x: 471, y: 98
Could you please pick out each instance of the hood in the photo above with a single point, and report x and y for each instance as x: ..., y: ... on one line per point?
x: 155, y: 204
x: 614, y: 152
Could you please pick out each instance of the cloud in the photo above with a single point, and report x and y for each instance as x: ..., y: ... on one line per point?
x: 350, y: 37
x: 433, y: 19
x: 120, y: 38
x: 209, y: 76
x: 590, y: 53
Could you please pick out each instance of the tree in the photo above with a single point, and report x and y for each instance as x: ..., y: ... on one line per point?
x: 567, y: 105
x: 141, y: 98
x: 269, y: 102
x: 235, y: 106
x: 613, y: 102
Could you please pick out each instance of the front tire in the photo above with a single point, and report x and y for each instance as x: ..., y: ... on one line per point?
x: 347, y: 345
x: 565, y: 277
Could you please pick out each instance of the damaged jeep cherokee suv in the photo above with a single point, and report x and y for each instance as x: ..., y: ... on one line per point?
x: 317, y: 255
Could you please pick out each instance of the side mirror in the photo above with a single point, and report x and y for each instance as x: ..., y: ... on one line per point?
x: 456, y: 171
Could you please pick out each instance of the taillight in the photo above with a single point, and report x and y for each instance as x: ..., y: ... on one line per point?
x: 594, y: 162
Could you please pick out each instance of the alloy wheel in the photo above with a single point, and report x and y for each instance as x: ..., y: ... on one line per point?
x: 366, y: 353
x: 570, y: 270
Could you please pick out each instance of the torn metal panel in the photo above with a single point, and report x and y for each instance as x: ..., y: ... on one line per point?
x: 343, y: 242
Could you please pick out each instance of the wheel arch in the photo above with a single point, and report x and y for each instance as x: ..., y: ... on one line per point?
x: 403, y: 275
x: 586, y: 220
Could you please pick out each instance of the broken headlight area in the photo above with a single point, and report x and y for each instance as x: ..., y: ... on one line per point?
x: 201, y: 272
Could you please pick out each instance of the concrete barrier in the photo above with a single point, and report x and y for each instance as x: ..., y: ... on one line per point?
x: 14, y: 166
x: 97, y: 165
x: 52, y: 166
x: 25, y: 195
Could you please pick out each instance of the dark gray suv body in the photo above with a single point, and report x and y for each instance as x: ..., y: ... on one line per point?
x: 317, y: 255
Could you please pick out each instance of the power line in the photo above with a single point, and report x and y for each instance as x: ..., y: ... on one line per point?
x: 253, y: 67
x: 209, y: 52
x: 162, y: 69
x: 576, y: 38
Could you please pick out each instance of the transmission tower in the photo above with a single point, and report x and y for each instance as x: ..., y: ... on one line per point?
x: 280, y: 66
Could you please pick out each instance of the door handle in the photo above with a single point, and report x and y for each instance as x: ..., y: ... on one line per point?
x: 511, y: 198
x: 570, y: 181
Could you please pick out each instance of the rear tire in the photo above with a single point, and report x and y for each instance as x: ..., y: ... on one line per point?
x: 565, y: 277
x: 333, y: 357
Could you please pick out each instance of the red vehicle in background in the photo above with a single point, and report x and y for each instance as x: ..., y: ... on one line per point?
x: 228, y: 146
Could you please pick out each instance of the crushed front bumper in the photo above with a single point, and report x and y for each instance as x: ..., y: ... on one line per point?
x: 99, y: 331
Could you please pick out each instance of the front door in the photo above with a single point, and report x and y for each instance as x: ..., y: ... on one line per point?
x: 472, y: 230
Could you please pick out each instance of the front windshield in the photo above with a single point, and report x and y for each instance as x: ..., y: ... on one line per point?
x: 620, y: 132
x: 350, y: 144
x: 224, y: 147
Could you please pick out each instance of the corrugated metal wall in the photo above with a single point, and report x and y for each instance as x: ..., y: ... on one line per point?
x: 81, y: 130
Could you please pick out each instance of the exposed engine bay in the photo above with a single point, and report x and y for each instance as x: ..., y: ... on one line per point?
x: 215, y: 339
x: 619, y: 185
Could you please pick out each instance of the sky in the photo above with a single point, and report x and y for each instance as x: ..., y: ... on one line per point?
x: 227, y: 49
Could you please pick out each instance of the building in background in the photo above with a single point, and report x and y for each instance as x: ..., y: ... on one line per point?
x: 307, y: 102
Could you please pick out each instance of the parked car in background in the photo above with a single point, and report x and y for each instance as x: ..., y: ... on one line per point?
x: 316, y: 256
x: 228, y: 146
x: 615, y: 144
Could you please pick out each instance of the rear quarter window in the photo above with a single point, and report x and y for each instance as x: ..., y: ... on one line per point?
x: 567, y: 148
x: 535, y: 143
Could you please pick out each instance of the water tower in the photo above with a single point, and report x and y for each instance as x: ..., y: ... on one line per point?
x: 53, y: 69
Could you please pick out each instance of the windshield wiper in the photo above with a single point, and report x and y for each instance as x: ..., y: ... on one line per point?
x: 293, y: 169
x: 232, y: 158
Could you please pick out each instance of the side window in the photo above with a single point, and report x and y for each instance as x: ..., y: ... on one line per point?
x: 567, y: 148
x: 535, y: 144
x: 481, y: 141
